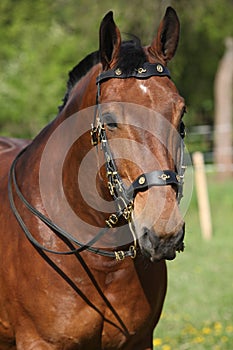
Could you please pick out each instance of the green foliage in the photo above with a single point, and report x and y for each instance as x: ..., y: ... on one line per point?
x: 42, y: 40
x: 204, y: 27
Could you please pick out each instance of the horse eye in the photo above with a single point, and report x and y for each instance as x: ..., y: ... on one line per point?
x: 182, y: 129
x: 110, y: 121
x: 182, y: 125
x: 184, y: 110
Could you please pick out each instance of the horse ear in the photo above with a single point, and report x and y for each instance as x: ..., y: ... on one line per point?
x: 110, y: 41
x: 165, y: 43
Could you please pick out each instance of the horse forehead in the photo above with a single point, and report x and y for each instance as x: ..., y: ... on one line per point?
x: 157, y: 93
x: 159, y: 86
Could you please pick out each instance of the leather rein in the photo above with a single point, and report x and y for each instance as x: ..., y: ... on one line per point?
x: 122, y: 196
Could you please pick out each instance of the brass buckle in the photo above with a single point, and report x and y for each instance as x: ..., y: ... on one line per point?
x: 127, y: 212
x: 118, y: 184
x: 94, y: 136
x: 133, y: 250
x: 96, y: 133
x: 112, y: 220
x: 111, y: 188
x: 120, y: 255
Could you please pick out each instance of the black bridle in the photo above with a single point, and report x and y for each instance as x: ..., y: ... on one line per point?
x: 122, y: 196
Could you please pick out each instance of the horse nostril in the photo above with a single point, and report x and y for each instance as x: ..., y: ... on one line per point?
x: 145, y: 232
x: 150, y: 237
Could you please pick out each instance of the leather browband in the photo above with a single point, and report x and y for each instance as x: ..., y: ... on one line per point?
x: 146, y: 71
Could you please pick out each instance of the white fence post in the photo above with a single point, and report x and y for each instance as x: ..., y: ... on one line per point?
x: 202, y: 195
x: 223, y: 113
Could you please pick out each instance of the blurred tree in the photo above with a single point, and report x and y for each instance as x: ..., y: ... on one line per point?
x: 204, y: 26
x: 42, y: 40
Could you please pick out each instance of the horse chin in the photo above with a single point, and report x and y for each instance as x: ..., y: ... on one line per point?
x: 157, y: 249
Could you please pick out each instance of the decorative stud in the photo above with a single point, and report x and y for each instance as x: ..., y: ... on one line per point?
x: 159, y: 68
x: 141, y: 70
x: 141, y: 180
x: 118, y: 71
x: 164, y: 177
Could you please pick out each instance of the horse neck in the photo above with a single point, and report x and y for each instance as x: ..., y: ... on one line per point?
x: 82, y: 95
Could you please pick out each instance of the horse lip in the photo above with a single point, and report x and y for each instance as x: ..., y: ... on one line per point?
x: 168, y: 255
x: 180, y: 247
x: 163, y: 256
x: 159, y: 249
x: 155, y: 248
x: 156, y: 255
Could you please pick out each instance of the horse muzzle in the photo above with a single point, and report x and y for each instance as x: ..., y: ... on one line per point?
x: 158, y: 248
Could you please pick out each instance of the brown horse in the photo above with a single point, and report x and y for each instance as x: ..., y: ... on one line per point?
x: 83, y: 254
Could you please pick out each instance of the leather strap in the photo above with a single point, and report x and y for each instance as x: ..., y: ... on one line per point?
x: 12, y: 183
x: 154, y: 178
x: 146, y: 71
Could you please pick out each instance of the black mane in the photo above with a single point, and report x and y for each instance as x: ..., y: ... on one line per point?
x: 79, y: 71
x: 131, y: 57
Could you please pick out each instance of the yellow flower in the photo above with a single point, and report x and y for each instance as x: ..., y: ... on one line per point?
x: 217, y: 326
x: 166, y: 347
x: 229, y: 329
x: 206, y: 330
x: 198, y: 340
x: 189, y: 329
x: 157, y: 341
x: 224, y: 339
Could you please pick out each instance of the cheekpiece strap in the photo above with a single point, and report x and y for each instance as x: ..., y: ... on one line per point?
x: 146, y: 71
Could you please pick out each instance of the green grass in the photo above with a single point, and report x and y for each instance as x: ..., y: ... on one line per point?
x: 198, y: 311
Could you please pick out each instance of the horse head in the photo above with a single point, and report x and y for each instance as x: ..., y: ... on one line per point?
x: 138, y: 121
x: 145, y: 108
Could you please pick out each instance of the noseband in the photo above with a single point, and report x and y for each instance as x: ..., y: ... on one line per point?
x: 122, y: 196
